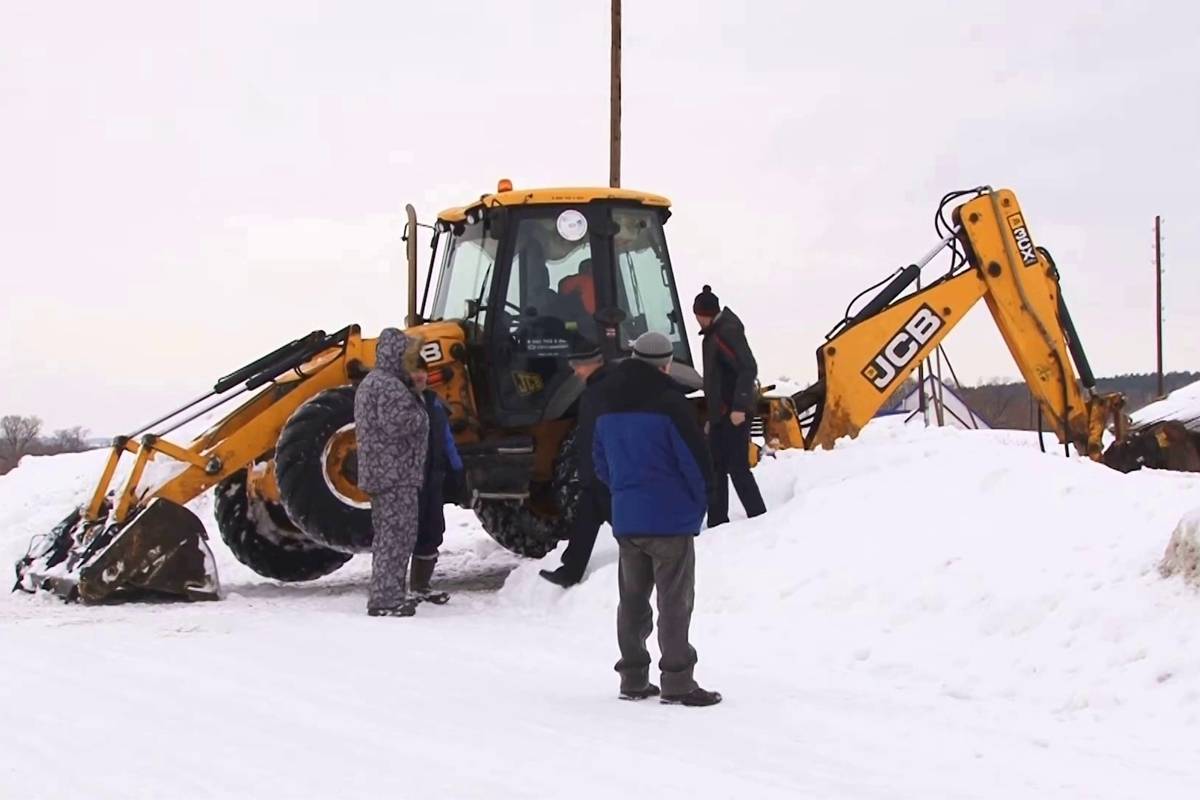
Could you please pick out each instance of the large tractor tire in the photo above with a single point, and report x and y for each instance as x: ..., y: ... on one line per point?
x: 316, y: 467
x: 261, y: 536
x: 518, y: 527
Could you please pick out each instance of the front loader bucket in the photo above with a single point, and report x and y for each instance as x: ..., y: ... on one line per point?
x: 161, y: 553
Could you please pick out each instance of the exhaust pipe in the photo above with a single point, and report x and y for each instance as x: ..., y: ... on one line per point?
x: 410, y: 240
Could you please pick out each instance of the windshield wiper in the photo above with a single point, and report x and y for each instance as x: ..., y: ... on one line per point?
x: 633, y: 280
x: 487, y: 276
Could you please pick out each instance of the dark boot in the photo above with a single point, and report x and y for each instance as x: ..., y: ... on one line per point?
x: 561, y: 576
x: 407, y: 608
x: 696, y: 697
x: 650, y: 690
x: 420, y: 581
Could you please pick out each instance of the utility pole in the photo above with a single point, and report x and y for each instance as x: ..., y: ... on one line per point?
x: 614, y: 108
x: 1158, y: 299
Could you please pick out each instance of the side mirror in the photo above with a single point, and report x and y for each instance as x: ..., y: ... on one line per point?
x: 496, y: 221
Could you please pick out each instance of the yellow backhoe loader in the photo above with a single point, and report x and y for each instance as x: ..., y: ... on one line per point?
x: 522, y: 275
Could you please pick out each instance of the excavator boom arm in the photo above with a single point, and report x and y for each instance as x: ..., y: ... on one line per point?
x: 240, y: 437
x: 863, y: 364
x: 1025, y: 300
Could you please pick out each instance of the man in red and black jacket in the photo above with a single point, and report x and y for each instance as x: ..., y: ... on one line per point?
x: 730, y: 392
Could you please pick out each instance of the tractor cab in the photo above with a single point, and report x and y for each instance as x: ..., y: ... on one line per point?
x: 532, y: 275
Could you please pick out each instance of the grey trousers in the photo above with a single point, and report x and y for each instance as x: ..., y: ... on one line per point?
x: 394, y: 519
x: 666, y: 564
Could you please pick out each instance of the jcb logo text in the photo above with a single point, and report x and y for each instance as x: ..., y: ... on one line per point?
x: 903, y: 348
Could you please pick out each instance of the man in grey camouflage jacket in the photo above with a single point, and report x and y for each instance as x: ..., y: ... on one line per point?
x: 392, y: 430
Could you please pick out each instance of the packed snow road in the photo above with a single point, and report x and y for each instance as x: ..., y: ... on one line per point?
x: 921, y: 614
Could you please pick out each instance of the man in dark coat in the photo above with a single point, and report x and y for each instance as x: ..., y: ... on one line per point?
x: 443, y: 468
x: 649, y: 451
x: 730, y: 392
x: 594, y: 507
x: 392, y: 431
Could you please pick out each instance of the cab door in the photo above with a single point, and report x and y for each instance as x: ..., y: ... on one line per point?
x: 545, y: 299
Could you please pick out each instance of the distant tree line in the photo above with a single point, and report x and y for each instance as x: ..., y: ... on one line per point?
x: 21, y: 436
x: 899, y: 395
x: 1010, y: 405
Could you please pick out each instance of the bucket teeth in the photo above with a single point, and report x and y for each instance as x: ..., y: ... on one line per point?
x: 161, y: 553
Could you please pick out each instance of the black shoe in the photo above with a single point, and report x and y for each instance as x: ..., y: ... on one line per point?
x: 430, y: 596
x: 696, y: 697
x: 407, y: 608
x: 650, y: 690
x: 559, y: 577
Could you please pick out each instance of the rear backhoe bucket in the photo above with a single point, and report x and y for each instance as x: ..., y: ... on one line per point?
x: 161, y: 553
x: 1163, y: 445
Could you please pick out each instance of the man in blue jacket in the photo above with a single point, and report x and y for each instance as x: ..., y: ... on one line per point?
x: 443, y: 467
x: 649, y: 451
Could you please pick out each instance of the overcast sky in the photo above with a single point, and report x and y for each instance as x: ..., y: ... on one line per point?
x: 184, y: 186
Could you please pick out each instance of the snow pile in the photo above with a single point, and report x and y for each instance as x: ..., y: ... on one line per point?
x: 1183, y: 404
x: 1183, y: 551
x: 921, y: 614
x: 42, y: 490
x: 995, y: 572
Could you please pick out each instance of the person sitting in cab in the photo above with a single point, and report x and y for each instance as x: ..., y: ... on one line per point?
x: 581, y: 285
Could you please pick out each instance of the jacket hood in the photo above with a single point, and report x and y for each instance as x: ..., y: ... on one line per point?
x: 726, y: 318
x: 389, y: 352
x: 633, y: 375
x: 599, y: 374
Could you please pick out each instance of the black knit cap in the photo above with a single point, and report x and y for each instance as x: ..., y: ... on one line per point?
x: 707, y: 304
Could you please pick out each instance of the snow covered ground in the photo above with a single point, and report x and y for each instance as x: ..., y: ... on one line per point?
x: 921, y: 614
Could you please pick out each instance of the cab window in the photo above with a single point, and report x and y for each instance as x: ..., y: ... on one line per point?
x: 645, y: 288
x: 467, y: 271
x: 549, y: 301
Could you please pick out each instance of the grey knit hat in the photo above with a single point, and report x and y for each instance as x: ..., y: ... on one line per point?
x: 654, y: 348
